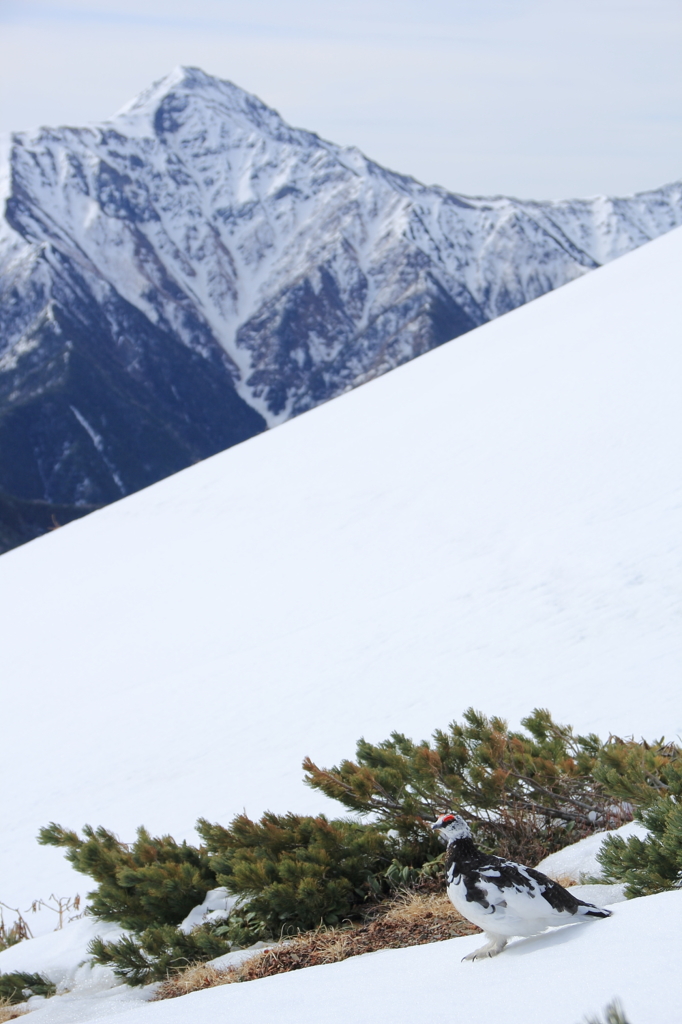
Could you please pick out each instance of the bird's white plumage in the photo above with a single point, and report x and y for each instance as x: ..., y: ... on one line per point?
x: 500, y: 896
x: 511, y: 910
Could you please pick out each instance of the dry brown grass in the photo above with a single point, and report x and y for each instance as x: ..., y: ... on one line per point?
x: 9, y: 1012
x: 193, y: 979
x: 566, y: 880
x: 411, y: 919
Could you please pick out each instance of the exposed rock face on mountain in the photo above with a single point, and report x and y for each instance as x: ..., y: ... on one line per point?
x: 179, y: 278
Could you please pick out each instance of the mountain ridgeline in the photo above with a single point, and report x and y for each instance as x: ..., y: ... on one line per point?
x: 183, y: 276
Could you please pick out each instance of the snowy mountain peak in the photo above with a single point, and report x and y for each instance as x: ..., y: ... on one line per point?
x: 175, y: 101
x: 219, y: 271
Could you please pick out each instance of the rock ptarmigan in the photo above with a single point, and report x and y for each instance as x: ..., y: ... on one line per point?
x: 502, y: 897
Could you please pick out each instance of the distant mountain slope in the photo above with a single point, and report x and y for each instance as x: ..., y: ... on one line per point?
x: 177, y: 278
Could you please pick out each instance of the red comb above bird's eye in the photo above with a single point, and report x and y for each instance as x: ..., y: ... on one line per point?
x: 448, y: 817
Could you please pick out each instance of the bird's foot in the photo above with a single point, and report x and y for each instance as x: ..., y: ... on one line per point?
x: 492, y: 948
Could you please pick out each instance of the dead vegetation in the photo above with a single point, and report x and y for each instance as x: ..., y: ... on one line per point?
x: 566, y: 880
x: 9, y: 1012
x: 16, y: 932
x: 411, y: 919
x: 20, y: 929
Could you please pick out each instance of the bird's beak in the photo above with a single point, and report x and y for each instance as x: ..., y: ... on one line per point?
x: 436, y: 826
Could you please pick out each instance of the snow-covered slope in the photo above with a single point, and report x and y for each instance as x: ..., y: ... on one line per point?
x: 560, y: 977
x: 175, y: 279
x: 495, y: 524
x: 565, y: 976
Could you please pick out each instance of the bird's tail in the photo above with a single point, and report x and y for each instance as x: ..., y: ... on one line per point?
x: 589, y: 910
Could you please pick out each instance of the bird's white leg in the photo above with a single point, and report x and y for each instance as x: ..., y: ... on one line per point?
x: 494, y: 946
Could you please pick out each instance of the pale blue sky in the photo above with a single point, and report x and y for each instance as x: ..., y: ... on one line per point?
x: 537, y: 98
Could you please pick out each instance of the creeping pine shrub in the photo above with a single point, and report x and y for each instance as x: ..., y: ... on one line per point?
x: 19, y: 986
x: 294, y: 873
x: 525, y: 793
x: 650, y: 776
x: 153, y: 954
x: 148, y: 887
x: 150, y: 881
x: 291, y: 872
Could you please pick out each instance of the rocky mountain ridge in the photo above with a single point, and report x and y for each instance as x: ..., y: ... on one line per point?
x: 194, y: 270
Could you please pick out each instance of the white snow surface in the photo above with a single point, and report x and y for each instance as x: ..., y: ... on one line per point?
x: 57, y: 954
x: 216, y: 907
x: 600, y: 895
x: 561, y: 976
x: 84, y: 992
x: 494, y: 524
x: 579, y: 861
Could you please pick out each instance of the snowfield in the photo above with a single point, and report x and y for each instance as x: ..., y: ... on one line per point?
x: 559, y: 977
x: 494, y: 524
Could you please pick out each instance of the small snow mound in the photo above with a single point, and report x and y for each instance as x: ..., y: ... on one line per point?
x: 238, y: 956
x: 217, y: 906
x: 58, y: 954
x: 579, y: 861
x: 85, y: 992
x: 600, y: 895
